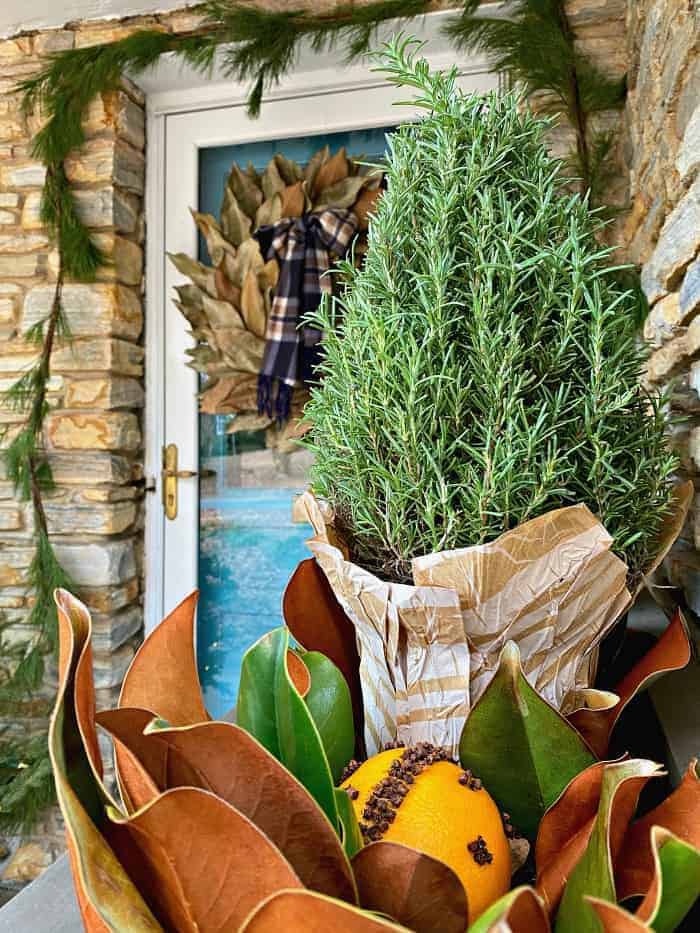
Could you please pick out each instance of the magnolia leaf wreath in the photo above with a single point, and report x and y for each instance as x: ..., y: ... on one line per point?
x: 228, y: 303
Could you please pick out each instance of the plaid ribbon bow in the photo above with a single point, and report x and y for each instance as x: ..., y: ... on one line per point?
x: 303, y: 247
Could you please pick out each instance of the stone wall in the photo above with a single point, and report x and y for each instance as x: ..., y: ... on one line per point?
x: 662, y: 230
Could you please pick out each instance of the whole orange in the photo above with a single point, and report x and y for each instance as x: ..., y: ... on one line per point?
x: 416, y: 797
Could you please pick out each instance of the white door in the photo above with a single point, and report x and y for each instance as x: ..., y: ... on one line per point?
x: 189, y: 144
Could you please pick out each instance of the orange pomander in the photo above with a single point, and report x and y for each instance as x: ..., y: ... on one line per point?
x: 417, y: 797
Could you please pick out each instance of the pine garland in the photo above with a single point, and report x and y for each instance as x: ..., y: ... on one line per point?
x: 535, y: 45
x: 265, y: 48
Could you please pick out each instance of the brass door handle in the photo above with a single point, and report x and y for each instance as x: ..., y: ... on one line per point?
x: 169, y: 477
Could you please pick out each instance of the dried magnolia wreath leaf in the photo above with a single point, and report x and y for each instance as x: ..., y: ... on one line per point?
x: 234, y: 221
x: 271, y: 181
x: 332, y: 171
x: 253, y: 305
x: 289, y: 170
x: 293, y: 200
x: 245, y: 190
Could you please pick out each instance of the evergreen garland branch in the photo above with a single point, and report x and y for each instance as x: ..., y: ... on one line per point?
x: 535, y: 45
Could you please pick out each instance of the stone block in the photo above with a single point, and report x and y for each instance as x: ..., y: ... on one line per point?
x: 90, y: 310
x: 109, y: 670
x: 689, y: 295
x: 688, y: 97
x: 688, y: 159
x: 103, y: 519
x: 118, y: 113
x: 14, y: 50
x: 100, y: 354
x: 23, y: 175
x: 664, y: 362
x: 21, y: 267
x: 7, y: 218
x: 11, y: 518
x: 110, y: 632
x: 22, y: 243
x: 663, y: 320
x: 89, y: 468
x: 109, y: 599
x: 104, y: 393
x: 53, y: 40
x: 679, y: 241
x: 12, y: 127
x: 97, y: 33
x: 102, y: 160
x: 97, y: 563
x: 14, y: 563
x: 94, y: 431
x: 126, y: 259
x: 107, y: 207
x: 692, y: 337
x: 9, y: 199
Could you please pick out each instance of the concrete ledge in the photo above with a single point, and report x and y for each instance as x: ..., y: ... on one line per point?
x: 47, y: 905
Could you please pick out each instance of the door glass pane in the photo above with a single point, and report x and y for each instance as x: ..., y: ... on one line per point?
x: 248, y: 544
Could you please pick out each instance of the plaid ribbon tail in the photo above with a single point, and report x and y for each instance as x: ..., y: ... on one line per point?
x: 283, y: 399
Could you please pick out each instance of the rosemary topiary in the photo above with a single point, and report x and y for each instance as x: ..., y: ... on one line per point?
x: 481, y: 368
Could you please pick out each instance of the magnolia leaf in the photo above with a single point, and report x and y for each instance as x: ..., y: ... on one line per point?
x: 269, y: 212
x: 293, y: 200
x: 564, y: 833
x: 163, y: 676
x: 411, y: 887
x: 289, y: 170
x: 313, y: 166
x: 224, y: 289
x: 201, y: 275
x: 366, y: 205
x: 217, y: 245
x: 107, y: 897
x: 224, y: 759
x: 676, y: 883
x: 268, y: 276
x: 270, y: 708
x: 235, y: 222
x: 245, y: 190
x: 679, y: 813
x: 204, y: 864
x: 518, y: 911
x: 253, y: 305
x: 250, y: 421
x: 670, y: 653
x: 621, y: 784
x: 328, y: 700
x: 317, y: 621
x: 271, y: 181
x: 308, y: 912
x: 520, y: 746
x: 675, y: 889
x: 351, y: 836
x: 342, y: 194
x: 330, y: 173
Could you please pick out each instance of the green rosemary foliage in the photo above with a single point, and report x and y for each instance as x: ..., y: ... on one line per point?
x: 481, y: 367
x: 534, y: 44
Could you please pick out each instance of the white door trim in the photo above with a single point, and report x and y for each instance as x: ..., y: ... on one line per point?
x: 185, y: 113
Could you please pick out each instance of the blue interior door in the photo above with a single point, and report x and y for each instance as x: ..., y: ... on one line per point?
x: 248, y: 545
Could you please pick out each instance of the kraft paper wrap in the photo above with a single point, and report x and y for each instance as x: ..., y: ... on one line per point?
x: 427, y: 651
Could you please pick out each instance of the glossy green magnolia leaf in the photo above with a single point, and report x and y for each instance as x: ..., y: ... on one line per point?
x: 677, y: 881
x: 271, y: 709
x: 521, y: 747
x: 675, y: 889
x: 520, y: 911
x: 330, y: 705
x: 350, y: 829
x: 593, y: 876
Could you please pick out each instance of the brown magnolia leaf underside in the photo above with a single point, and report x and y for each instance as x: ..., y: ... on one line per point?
x: 106, y: 895
x: 412, y: 888
x: 679, y: 813
x: 226, y: 760
x: 670, y: 653
x: 307, y: 912
x: 163, y: 675
x: 204, y: 865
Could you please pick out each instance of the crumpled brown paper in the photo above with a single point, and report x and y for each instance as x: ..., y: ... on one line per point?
x: 427, y: 651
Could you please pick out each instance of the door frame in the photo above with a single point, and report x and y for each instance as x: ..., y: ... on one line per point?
x: 179, y: 101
